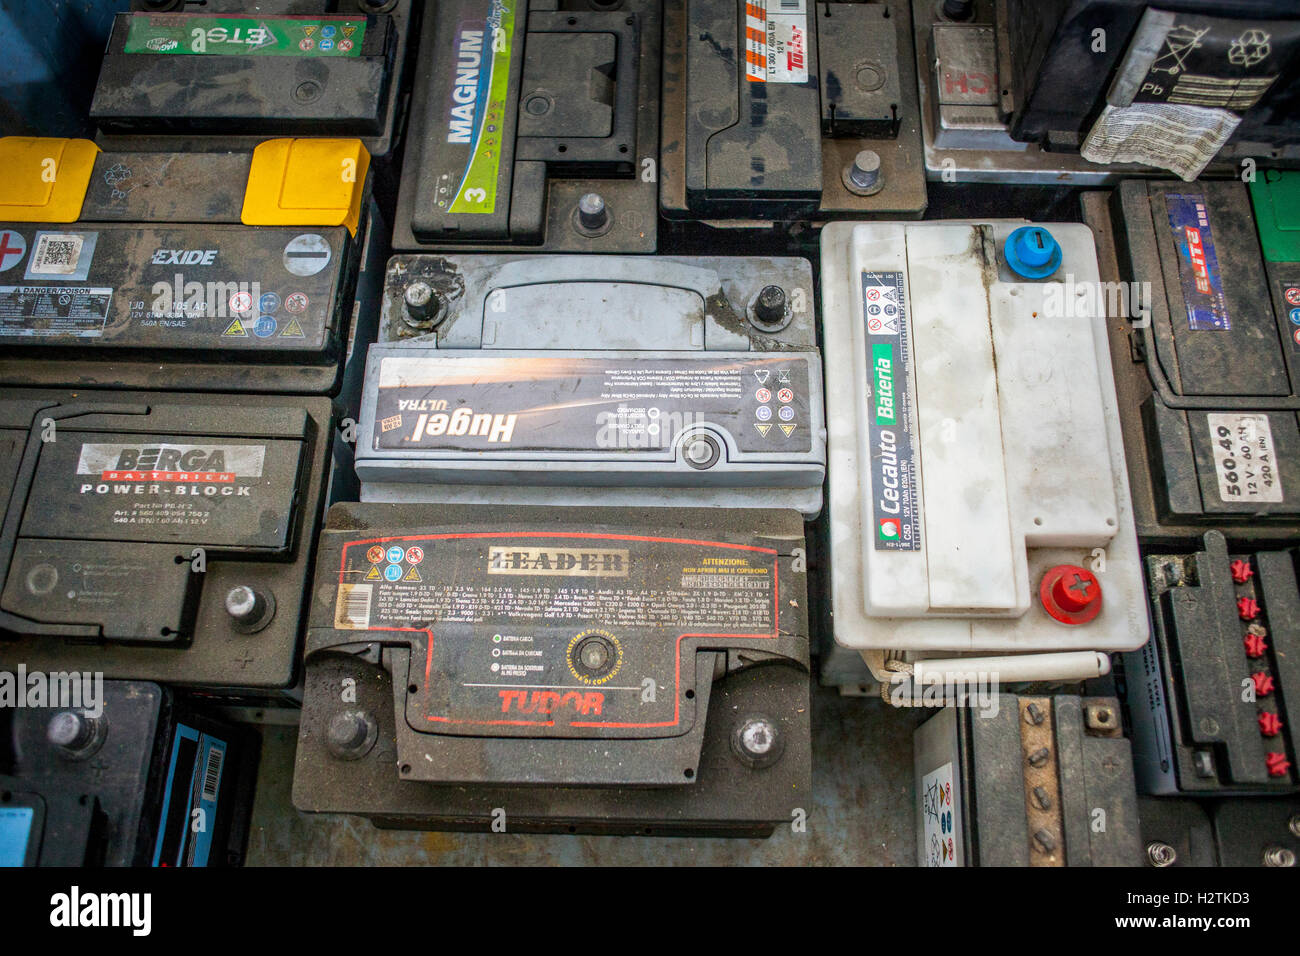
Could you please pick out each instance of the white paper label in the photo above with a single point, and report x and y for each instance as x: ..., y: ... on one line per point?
x: 938, y: 809
x: 1179, y: 138
x: 776, y: 41
x: 1245, y: 460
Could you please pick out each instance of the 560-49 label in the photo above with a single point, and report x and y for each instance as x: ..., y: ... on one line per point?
x: 1245, y: 459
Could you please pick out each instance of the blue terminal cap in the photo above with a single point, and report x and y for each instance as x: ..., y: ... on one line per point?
x: 1032, y: 252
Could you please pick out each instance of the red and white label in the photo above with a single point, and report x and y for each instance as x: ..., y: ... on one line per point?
x: 776, y: 41
x: 12, y: 249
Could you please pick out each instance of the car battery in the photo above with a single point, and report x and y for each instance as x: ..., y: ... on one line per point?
x: 1176, y: 832
x: 1209, y: 699
x: 516, y: 669
x: 1257, y: 832
x: 163, y: 537
x: 979, y: 505
x: 239, y: 71
x: 1092, y: 91
x: 789, y: 110
x: 1206, y: 366
x: 1032, y: 781
x: 595, y: 380
x: 191, y: 271
x: 534, y: 125
x: 138, y: 779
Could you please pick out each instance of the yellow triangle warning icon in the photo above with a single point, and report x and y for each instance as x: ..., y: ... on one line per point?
x: 787, y: 429
x: 373, y: 574
x: 236, y: 328
x: 412, y: 575
x: 348, y: 31
x: 310, y: 31
x: 292, y: 330
x: 763, y: 429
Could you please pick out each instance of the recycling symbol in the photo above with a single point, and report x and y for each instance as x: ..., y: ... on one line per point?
x: 1250, y: 48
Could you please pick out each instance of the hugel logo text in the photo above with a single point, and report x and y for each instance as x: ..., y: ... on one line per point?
x: 176, y: 463
x: 464, y: 90
x: 593, y: 563
x: 463, y: 421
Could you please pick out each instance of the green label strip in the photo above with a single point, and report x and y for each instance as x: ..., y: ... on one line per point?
x: 245, y: 36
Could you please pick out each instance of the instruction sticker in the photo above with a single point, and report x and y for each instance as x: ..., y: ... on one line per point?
x: 183, y: 33
x: 1198, y: 263
x: 938, y: 813
x: 33, y: 310
x: 892, y: 433
x: 776, y: 41
x: 1245, y: 458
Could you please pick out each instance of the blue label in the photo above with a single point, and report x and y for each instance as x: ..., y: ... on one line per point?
x: 15, y: 833
x: 393, y: 572
x: 269, y: 302
x: 1198, y: 263
x: 395, y: 555
x: 265, y: 327
x: 189, y: 805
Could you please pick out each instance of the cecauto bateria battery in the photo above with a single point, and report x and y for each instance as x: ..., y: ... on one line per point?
x: 120, y: 773
x: 1210, y: 699
x: 194, y: 271
x: 534, y: 124
x: 1092, y: 91
x: 979, y: 501
x: 789, y: 110
x: 238, y: 69
x: 1026, y: 781
x: 595, y: 380
x: 161, y: 537
x: 548, y: 669
x: 1206, y: 365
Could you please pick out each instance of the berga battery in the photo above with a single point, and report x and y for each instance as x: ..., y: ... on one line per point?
x: 191, y: 271
x: 559, y: 670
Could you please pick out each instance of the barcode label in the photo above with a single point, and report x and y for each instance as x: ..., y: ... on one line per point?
x: 352, y: 611
x: 212, y: 773
x: 56, y: 254
x: 792, y: 6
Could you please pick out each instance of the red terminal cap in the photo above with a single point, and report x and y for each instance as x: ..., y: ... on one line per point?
x: 1242, y: 571
x: 1269, y: 724
x: 1278, y: 765
x: 1248, y: 608
x: 1263, y: 684
x: 1255, y: 645
x: 1070, y: 594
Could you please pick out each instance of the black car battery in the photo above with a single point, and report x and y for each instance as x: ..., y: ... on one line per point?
x: 534, y: 124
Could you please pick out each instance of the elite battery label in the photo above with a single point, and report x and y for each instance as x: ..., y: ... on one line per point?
x: 892, y: 436
x: 183, y: 33
x: 1198, y: 262
x: 776, y: 41
x: 182, y: 288
x: 610, y: 405
x: 553, y: 633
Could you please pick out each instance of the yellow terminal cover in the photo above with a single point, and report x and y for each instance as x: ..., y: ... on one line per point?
x: 45, y: 178
x: 306, y: 182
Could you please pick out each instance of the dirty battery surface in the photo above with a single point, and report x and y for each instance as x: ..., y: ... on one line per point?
x: 122, y: 780
x: 153, y: 280
x: 284, y: 68
x: 613, y: 671
x: 1210, y: 380
x: 634, y: 380
x: 159, y: 537
x: 534, y: 124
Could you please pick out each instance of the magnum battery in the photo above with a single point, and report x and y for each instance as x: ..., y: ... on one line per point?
x: 190, y: 271
x: 162, y: 537
x: 595, y: 380
x: 119, y: 773
x: 534, y: 124
x: 240, y: 70
x: 547, y: 669
x: 1210, y: 699
x: 790, y: 110
x: 1026, y: 781
x: 1205, y: 346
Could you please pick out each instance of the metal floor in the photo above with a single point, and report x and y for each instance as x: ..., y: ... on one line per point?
x: 861, y: 813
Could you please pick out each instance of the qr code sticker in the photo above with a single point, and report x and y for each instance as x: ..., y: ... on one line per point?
x: 57, y: 254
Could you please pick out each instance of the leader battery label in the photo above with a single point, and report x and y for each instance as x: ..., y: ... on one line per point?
x: 476, y: 108
x: 183, y: 33
x: 600, y: 405
x: 211, y: 288
x: 558, y: 634
x: 144, y: 488
x: 1198, y: 263
x: 1245, y: 458
x: 776, y: 41
x: 892, y: 433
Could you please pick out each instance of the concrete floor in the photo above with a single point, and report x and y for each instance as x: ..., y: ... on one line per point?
x: 862, y: 813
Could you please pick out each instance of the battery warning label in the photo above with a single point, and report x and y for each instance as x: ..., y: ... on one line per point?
x: 31, y: 310
x: 892, y: 433
x: 561, y: 632
x: 182, y: 33
x: 776, y: 41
